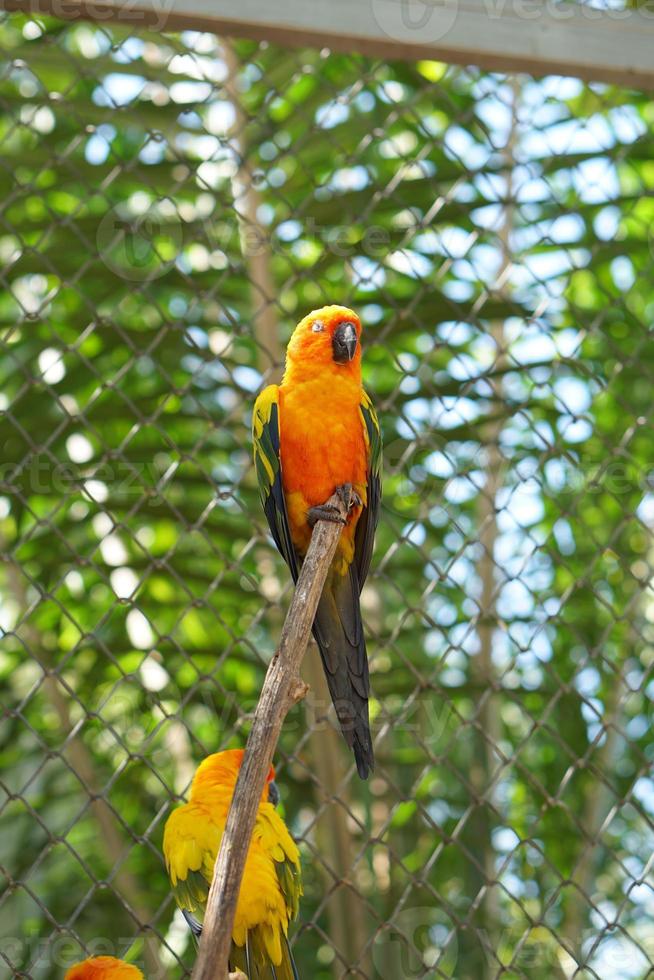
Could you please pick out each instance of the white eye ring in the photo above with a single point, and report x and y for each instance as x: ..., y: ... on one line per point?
x: 317, y: 326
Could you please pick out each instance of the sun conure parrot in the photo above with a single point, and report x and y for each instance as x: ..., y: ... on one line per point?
x: 314, y: 434
x: 103, y: 968
x: 271, y: 886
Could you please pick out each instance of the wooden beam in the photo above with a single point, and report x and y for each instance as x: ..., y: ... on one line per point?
x: 535, y: 36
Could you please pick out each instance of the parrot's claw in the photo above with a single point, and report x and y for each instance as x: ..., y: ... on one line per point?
x: 349, y: 496
x: 324, y: 512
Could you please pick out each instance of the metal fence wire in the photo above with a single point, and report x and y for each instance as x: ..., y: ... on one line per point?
x: 170, y: 206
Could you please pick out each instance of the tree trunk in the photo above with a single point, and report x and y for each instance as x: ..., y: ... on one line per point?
x: 348, y: 930
x: 110, y: 841
x: 480, y: 959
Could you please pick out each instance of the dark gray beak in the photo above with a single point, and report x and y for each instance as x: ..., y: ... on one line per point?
x: 273, y: 793
x: 344, y: 342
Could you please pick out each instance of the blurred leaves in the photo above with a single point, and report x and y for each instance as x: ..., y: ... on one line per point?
x: 138, y: 571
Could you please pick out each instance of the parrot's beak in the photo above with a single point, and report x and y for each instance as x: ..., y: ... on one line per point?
x: 273, y: 793
x: 344, y: 342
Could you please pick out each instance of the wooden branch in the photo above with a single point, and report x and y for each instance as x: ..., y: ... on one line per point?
x: 282, y: 688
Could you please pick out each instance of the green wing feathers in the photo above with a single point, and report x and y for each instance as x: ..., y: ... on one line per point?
x: 265, y: 439
x: 191, y: 892
x: 364, y: 538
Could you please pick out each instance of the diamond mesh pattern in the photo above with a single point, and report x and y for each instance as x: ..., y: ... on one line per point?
x: 170, y: 205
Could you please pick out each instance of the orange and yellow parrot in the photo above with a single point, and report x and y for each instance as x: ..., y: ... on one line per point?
x: 271, y: 885
x: 103, y: 968
x: 315, y: 434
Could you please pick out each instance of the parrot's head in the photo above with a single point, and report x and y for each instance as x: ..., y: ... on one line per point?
x: 220, y: 772
x: 327, y: 338
x: 103, y: 968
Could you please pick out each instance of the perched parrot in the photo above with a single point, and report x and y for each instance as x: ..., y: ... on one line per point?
x: 271, y: 885
x: 314, y: 434
x: 103, y: 968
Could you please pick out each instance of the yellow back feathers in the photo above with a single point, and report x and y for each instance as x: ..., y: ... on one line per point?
x: 271, y: 885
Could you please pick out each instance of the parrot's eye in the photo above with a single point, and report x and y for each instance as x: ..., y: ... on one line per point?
x: 317, y: 326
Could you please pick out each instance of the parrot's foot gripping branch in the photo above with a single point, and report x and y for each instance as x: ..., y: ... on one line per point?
x: 324, y: 512
x: 327, y: 512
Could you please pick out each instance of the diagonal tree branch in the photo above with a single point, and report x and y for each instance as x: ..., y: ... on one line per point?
x: 282, y: 688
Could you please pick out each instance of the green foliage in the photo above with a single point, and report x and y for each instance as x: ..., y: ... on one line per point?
x: 139, y: 574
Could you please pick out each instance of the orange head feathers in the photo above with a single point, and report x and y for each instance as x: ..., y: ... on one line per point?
x: 328, y: 338
x: 220, y: 772
x: 103, y: 968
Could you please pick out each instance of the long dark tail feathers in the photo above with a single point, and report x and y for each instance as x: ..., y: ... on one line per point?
x: 339, y: 633
x: 248, y: 964
x: 291, y: 961
x: 194, y: 925
x: 364, y: 758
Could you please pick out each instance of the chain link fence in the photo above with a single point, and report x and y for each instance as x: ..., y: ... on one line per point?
x: 170, y: 206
